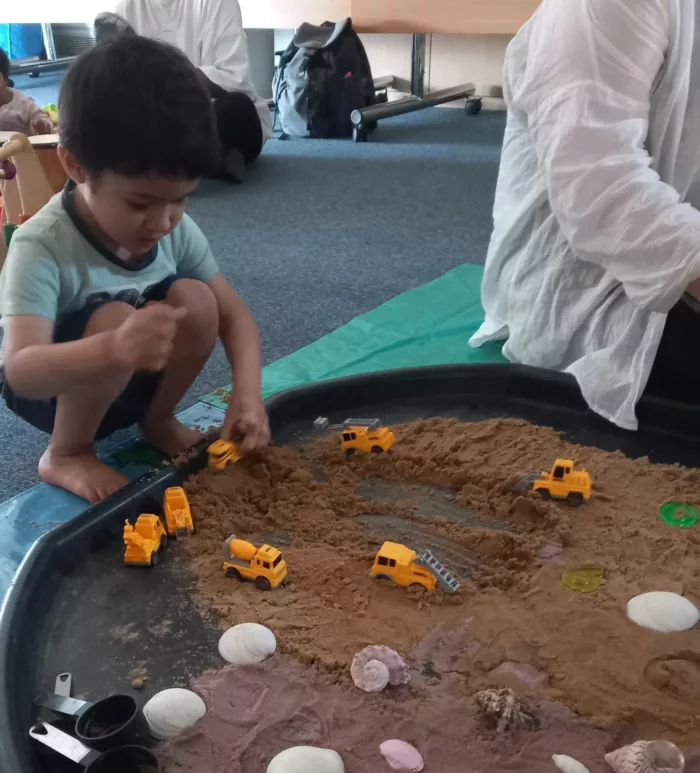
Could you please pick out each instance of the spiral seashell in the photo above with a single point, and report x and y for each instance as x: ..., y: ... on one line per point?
x: 372, y: 677
x: 392, y: 661
x: 647, y: 757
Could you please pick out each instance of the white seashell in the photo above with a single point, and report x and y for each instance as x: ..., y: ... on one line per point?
x: 367, y: 677
x: 169, y: 712
x: 647, y: 757
x: 373, y: 677
x: 662, y: 611
x: 306, y: 759
x: 402, y: 756
x: 247, y: 644
x: 569, y: 764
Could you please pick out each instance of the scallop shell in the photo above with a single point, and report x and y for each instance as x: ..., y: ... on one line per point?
x: 662, y: 611
x: 169, y: 712
x: 306, y: 759
x: 402, y: 756
x: 247, y: 644
x: 569, y: 764
x: 647, y: 757
x: 366, y: 674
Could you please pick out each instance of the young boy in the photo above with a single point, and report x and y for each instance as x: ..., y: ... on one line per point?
x: 18, y: 112
x: 110, y: 296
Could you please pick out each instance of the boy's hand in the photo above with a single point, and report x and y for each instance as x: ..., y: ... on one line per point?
x: 41, y: 124
x: 247, y: 417
x: 144, y: 341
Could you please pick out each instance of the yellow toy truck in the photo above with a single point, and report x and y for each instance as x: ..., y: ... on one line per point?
x: 222, y: 453
x: 263, y: 566
x: 143, y: 540
x: 364, y: 435
x: 563, y: 482
x: 176, y: 508
x: 403, y: 566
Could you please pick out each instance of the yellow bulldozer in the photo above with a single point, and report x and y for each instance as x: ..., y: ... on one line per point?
x: 143, y: 540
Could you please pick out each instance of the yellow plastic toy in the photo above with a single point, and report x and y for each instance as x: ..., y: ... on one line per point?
x: 264, y: 565
x: 222, y: 453
x: 178, y: 518
x: 143, y: 540
x: 563, y: 482
x: 403, y: 566
x: 364, y: 435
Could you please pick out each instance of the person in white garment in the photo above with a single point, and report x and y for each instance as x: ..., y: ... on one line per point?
x: 210, y: 33
x: 594, y: 259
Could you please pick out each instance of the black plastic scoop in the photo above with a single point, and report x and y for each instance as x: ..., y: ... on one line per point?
x: 120, y: 759
x: 110, y: 722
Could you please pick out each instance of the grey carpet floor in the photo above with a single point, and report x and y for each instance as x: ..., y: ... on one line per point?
x: 325, y: 230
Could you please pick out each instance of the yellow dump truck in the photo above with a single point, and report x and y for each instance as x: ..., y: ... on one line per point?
x: 564, y: 482
x: 407, y: 568
x: 264, y: 565
x: 222, y: 453
x: 178, y: 517
x: 143, y: 540
x: 364, y: 435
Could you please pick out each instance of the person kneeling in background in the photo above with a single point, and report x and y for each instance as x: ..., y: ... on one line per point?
x: 19, y: 112
x: 210, y: 33
x: 110, y: 296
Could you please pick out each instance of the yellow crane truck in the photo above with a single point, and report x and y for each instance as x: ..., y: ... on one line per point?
x: 407, y: 568
x: 263, y: 566
x: 143, y: 540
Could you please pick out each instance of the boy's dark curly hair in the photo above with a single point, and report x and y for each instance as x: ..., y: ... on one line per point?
x: 136, y: 107
x: 4, y: 64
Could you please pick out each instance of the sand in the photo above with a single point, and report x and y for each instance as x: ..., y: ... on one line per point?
x: 596, y: 680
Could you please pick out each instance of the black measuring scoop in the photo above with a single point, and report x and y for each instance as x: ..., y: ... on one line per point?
x: 113, y: 721
x: 120, y: 759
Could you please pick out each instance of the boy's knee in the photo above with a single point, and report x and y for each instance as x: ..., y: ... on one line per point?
x: 202, y: 320
x: 108, y: 317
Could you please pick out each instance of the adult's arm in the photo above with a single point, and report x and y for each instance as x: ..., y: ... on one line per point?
x: 591, y: 68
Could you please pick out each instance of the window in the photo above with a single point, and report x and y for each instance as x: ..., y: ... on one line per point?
x: 266, y: 564
x: 277, y: 560
x: 346, y: 436
x: 257, y: 561
x: 353, y: 436
x: 559, y: 472
x: 383, y: 561
x: 392, y: 562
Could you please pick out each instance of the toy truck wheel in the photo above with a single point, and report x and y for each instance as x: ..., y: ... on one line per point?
x: 163, y: 541
x: 233, y: 574
x: 350, y: 451
x: 544, y: 493
x: 154, y: 559
x: 575, y: 499
x: 382, y: 577
x: 377, y: 450
x: 262, y: 583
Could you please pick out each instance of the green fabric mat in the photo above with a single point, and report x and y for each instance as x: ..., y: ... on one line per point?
x: 430, y: 325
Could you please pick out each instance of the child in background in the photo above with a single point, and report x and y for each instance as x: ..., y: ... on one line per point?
x: 18, y: 112
x: 110, y: 296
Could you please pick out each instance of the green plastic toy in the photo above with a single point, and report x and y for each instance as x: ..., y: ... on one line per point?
x: 679, y: 514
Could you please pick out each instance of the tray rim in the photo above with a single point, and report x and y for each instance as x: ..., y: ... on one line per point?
x: 548, y: 387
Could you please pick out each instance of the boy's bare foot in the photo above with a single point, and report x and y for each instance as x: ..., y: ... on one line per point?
x: 170, y: 436
x: 82, y: 474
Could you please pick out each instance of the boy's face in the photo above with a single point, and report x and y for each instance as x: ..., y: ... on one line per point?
x: 131, y: 212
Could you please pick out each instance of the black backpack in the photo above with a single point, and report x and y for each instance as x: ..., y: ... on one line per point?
x: 322, y: 76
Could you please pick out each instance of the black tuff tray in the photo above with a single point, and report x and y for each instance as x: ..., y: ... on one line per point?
x: 73, y: 606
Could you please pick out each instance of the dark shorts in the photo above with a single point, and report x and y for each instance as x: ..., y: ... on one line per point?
x: 675, y: 374
x: 131, y: 405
